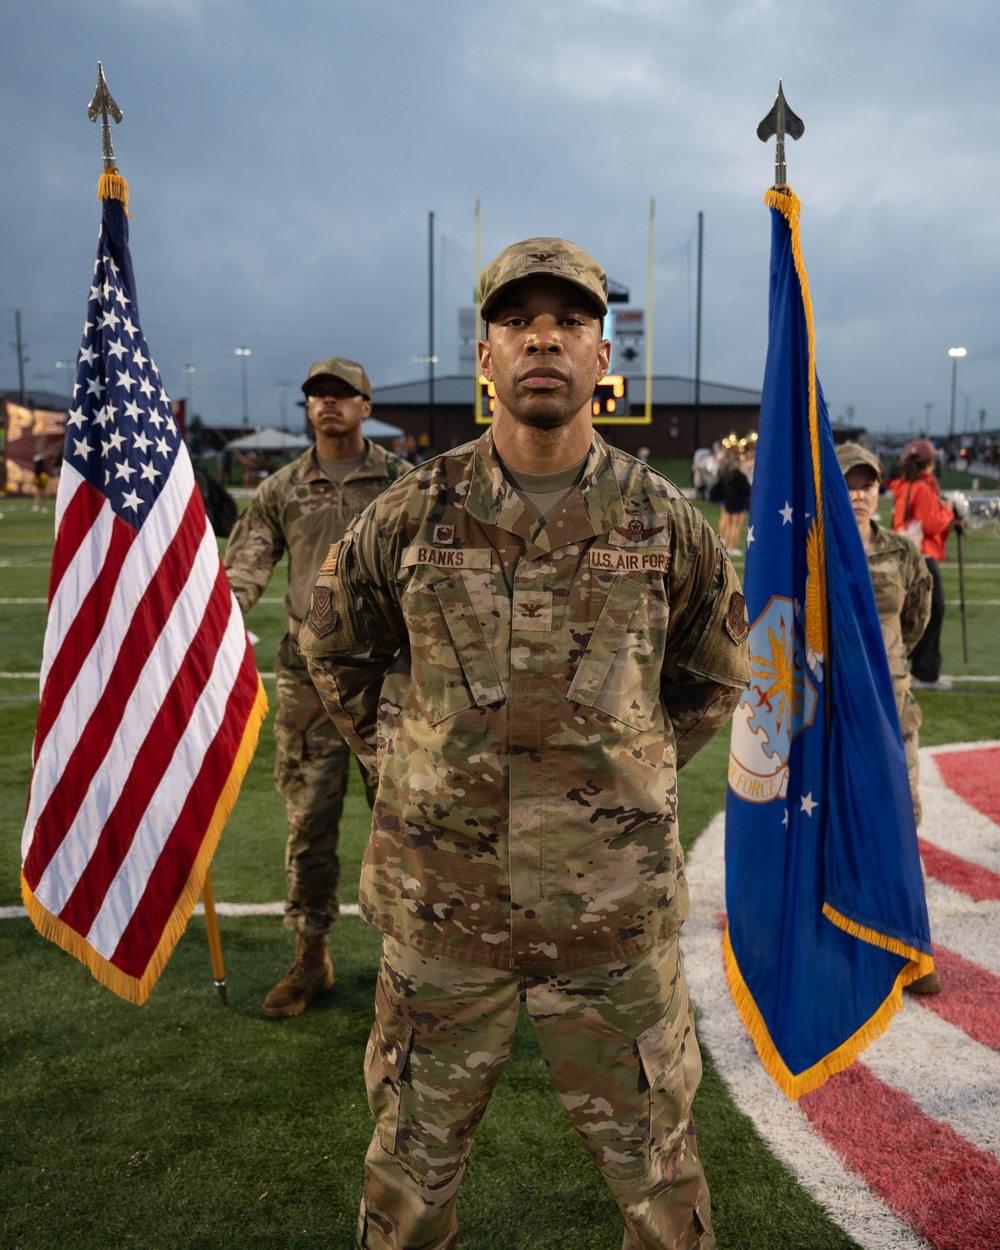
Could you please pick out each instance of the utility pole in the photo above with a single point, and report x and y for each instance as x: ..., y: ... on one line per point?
x: 697, y: 344
x: 22, y: 360
x: 430, y: 331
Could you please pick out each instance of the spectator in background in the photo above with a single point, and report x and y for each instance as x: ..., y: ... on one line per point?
x: 732, y: 491
x: 40, y: 484
x: 919, y: 513
x: 902, y: 585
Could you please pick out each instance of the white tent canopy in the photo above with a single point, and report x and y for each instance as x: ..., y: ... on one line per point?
x: 373, y: 428
x: 270, y: 439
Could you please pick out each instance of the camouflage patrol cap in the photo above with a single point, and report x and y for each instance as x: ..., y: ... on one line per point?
x: 850, y: 455
x: 558, y: 257
x: 337, y: 367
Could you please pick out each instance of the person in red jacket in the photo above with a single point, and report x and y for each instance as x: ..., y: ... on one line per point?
x: 919, y: 513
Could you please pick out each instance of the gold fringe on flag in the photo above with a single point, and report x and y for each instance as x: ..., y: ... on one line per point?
x: 794, y: 1085
x: 920, y: 962
x: 113, y: 186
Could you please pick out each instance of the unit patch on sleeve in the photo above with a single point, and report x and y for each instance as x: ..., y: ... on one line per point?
x: 322, y: 617
x: 737, y: 625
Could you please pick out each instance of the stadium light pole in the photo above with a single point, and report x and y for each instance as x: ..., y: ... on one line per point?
x: 67, y: 364
x: 243, y: 353
x: 189, y: 412
x: 956, y: 353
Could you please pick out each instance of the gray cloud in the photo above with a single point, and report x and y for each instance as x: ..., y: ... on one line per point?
x: 282, y: 163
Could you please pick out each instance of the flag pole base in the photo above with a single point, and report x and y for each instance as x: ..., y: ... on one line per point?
x: 221, y: 987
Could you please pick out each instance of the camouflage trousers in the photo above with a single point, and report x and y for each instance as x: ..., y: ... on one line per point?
x: 619, y: 1042
x: 311, y: 765
x: 910, y: 719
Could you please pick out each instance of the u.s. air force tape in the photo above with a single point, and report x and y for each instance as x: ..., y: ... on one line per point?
x: 621, y: 560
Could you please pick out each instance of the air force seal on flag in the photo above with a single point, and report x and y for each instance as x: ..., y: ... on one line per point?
x: 780, y: 703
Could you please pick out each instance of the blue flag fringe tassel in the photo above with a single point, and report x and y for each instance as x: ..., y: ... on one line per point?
x: 826, y: 915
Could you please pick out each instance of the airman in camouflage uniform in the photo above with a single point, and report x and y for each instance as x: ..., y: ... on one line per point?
x: 524, y: 640
x: 301, y: 509
x: 903, y: 587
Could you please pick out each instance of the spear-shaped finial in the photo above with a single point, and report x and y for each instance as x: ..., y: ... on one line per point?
x: 780, y: 121
x: 112, y: 185
x: 103, y: 104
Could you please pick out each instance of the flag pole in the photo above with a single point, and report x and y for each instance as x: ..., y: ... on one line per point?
x: 214, y: 940
x: 475, y: 351
x: 961, y: 596
x: 113, y: 186
x: 779, y: 122
x: 649, y: 320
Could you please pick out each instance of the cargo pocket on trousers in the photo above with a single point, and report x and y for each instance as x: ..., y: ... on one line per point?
x: 386, y: 1057
x: 671, y: 1061
x: 290, y: 743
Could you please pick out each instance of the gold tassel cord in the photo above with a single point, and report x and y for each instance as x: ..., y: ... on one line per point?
x: 113, y: 186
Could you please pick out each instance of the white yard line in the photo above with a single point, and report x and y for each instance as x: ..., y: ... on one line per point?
x: 964, y: 1092
x: 223, y: 909
x: 35, y: 675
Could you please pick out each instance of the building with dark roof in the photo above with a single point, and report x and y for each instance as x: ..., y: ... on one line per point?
x: 676, y: 428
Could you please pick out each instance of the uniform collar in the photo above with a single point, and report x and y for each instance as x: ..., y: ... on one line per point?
x: 594, y: 508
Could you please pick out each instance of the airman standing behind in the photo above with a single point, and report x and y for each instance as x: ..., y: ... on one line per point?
x: 302, y: 509
x: 903, y: 591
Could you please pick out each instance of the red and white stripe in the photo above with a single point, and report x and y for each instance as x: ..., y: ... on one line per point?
x: 903, y: 1149
x: 149, y: 687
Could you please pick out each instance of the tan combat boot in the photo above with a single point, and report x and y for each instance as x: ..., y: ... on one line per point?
x: 310, y: 975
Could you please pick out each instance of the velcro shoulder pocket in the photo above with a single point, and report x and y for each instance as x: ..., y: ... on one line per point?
x: 722, y: 654
x: 328, y: 628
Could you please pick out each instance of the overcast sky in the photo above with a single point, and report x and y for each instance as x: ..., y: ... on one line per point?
x: 282, y: 160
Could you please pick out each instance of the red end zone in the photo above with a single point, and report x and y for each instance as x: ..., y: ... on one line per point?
x: 902, y: 1150
x: 975, y: 777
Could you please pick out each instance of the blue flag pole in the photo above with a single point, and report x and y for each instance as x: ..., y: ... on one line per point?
x: 826, y: 915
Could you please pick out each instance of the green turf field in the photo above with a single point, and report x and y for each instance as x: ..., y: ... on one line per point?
x: 186, y: 1124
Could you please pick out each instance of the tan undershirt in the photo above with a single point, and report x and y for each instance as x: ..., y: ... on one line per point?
x: 544, y: 493
x: 336, y: 470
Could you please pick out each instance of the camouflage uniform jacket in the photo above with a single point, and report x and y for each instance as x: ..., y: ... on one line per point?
x: 902, y: 585
x: 526, y: 699
x: 299, y: 510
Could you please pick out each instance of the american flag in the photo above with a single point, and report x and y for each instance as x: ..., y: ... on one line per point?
x: 150, y: 699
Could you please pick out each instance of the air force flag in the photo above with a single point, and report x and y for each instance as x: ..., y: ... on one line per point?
x: 827, y: 919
